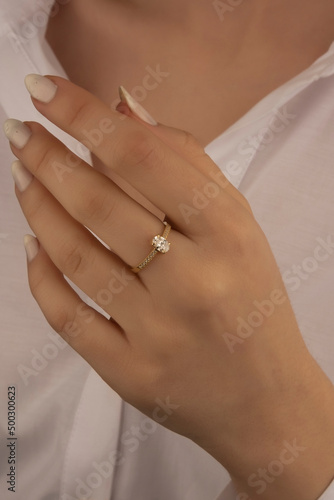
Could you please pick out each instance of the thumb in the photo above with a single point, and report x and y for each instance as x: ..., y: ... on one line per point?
x: 181, y: 141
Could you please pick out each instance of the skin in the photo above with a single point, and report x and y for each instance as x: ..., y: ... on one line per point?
x: 169, y: 327
x: 165, y: 326
x: 226, y: 66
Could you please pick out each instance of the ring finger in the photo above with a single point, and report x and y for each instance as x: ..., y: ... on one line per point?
x: 76, y: 252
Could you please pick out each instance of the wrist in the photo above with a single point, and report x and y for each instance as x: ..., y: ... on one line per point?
x: 285, y: 446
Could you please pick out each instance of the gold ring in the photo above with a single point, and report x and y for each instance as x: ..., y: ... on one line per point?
x: 161, y: 245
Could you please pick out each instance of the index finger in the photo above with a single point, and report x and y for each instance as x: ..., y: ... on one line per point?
x: 139, y: 156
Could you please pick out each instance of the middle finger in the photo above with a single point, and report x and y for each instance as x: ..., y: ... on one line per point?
x: 87, y: 195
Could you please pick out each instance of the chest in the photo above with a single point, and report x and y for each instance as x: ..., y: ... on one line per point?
x: 200, y: 87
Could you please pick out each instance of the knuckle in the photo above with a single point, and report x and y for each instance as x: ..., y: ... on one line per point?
x: 204, y: 286
x: 34, y: 208
x: 67, y: 324
x: 73, y: 258
x: 190, y: 143
x: 139, y: 148
x: 242, y: 232
x: 78, y: 116
x: 240, y: 198
x: 36, y: 278
x: 44, y: 157
x: 96, y: 207
x: 60, y: 320
x: 212, y: 292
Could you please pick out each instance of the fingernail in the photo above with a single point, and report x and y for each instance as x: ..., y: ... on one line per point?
x: 40, y: 87
x: 31, y: 246
x: 22, y: 176
x: 17, y: 132
x: 135, y: 107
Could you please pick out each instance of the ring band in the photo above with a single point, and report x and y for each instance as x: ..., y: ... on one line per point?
x: 161, y: 245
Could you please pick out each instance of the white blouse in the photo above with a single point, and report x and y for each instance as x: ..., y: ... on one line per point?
x: 75, y: 437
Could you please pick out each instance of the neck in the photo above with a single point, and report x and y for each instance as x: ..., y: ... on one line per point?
x: 192, y: 15
x: 219, y: 17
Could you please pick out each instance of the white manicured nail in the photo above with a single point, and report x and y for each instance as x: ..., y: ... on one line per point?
x: 31, y: 245
x: 135, y: 107
x: 40, y: 87
x: 22, y: 176
x: 17, y: 132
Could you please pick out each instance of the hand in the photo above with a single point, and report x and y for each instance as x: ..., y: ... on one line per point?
x: 206, y: 328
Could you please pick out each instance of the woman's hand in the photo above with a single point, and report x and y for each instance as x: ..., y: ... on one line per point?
x: 203, y: 339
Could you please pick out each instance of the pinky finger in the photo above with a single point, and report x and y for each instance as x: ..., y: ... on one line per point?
x: 99, y: 341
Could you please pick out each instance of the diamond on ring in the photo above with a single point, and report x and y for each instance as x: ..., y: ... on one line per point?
x: 160, y: 244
